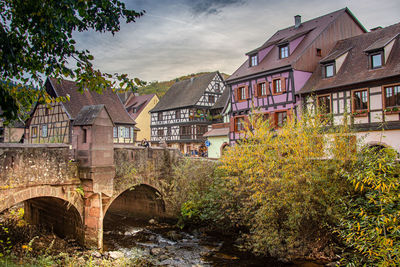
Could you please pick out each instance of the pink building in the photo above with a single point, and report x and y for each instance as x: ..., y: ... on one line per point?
x: 275, y: 72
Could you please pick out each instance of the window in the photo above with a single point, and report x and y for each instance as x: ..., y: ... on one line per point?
x: 160, y: 132
x: 279, y: 85
x: 201, y: 129
x: 121, y: 132
x: 177, y: 114
x: 284, y: 51
x: 262, y: 89
x: 360, y: 100
x: 211, y: 99
x: 376, y: 60
x: 44, y: 130
x: 115, y: 132
x: 253, y: 60
x: 132, y: 132
x: 160, y: 116
x: 185, y: 132
x: 217, y: 88
x: 34, y: 131
x: 169, y: 131
x: 239, y: 124
x: 324, y: 103
x: 329, y: 70
x: 392, y: 96
x: 241, y: 93
x: 84, y: 136
x: 280, y: 118
x: 319, y: 52
x: 126, y: 132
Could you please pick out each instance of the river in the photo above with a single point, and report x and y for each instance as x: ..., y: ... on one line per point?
x: 168, y: 246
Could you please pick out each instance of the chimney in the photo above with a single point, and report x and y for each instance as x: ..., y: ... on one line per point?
x: 297, y: 21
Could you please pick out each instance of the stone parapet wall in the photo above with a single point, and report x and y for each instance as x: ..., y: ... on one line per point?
x: 23, y: 165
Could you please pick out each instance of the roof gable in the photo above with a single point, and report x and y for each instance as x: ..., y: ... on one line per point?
x: 306, y: 33
x: 185, y: 93
x: 136, y: 104
x: 356, y: 67
x: 78, y: 100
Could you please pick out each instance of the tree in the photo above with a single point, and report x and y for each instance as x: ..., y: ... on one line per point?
x: 36, y: 41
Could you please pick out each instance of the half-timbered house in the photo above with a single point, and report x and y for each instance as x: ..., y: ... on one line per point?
x: 183, y: 114
x: 361, y: 77
x: 54, y: 124
x: 273, y: 73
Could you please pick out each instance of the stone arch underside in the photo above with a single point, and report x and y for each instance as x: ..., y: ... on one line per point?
x: 142, y: 201
x: 57, y: 208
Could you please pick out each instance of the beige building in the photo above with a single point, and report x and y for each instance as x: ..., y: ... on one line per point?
x: 139, y: 106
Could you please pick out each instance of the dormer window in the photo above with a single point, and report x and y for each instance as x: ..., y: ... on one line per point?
x: 329, y: 70
x: 284, y: 51
x: 253, y: 60
x: 376, y: 60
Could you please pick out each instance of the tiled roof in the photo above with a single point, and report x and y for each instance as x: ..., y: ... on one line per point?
x: 87, y: 115
x: 310, y: 29
x: 137, y: 103
x: 184, y: 93
x: 88, y: 98
x: 355, y: 68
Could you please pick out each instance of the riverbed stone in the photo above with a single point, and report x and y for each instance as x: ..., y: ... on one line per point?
x: 152, y: 221
x: 156, y: 251
x: 115, y: 254
x: 174, y: 236
x: 96, y: 254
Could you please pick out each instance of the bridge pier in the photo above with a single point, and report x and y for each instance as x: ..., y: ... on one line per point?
x: 93, y: 217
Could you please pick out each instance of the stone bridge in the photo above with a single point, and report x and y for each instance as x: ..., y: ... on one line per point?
x: 71, y: 188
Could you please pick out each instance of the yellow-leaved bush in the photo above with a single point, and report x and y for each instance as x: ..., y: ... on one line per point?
x: 285, y: 185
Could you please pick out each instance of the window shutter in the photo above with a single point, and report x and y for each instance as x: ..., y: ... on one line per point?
x: 283, y: 84
x: 275, y: 121
x: 267, y: 87
x: 236, y: 94
x: 246, y: 121
x: 246, y: 89
x: 232, y: 124
x: 255, y: 89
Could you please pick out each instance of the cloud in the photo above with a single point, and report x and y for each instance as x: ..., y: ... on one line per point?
x: 210, y: 7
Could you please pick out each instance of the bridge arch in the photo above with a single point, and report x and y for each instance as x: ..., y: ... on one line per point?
x: 65, y: 193
x: 142, y: 201
x: 52, y: 207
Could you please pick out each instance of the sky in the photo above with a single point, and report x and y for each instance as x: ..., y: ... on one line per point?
x: 179, y: 37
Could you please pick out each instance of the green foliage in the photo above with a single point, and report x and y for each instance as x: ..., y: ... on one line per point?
x: 196, y: 192
x: 371, y: 222
x: 36, y: 41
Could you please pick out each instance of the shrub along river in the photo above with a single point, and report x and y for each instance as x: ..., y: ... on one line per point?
x: 167, y: 245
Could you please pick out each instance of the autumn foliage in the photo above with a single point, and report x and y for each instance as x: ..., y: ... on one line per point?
x: 305, y: 190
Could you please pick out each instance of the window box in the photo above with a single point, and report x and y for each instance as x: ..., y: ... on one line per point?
x: 360, y: 113
x: 393, y: 110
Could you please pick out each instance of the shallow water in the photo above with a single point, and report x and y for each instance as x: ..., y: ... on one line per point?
x: 169, y: 246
